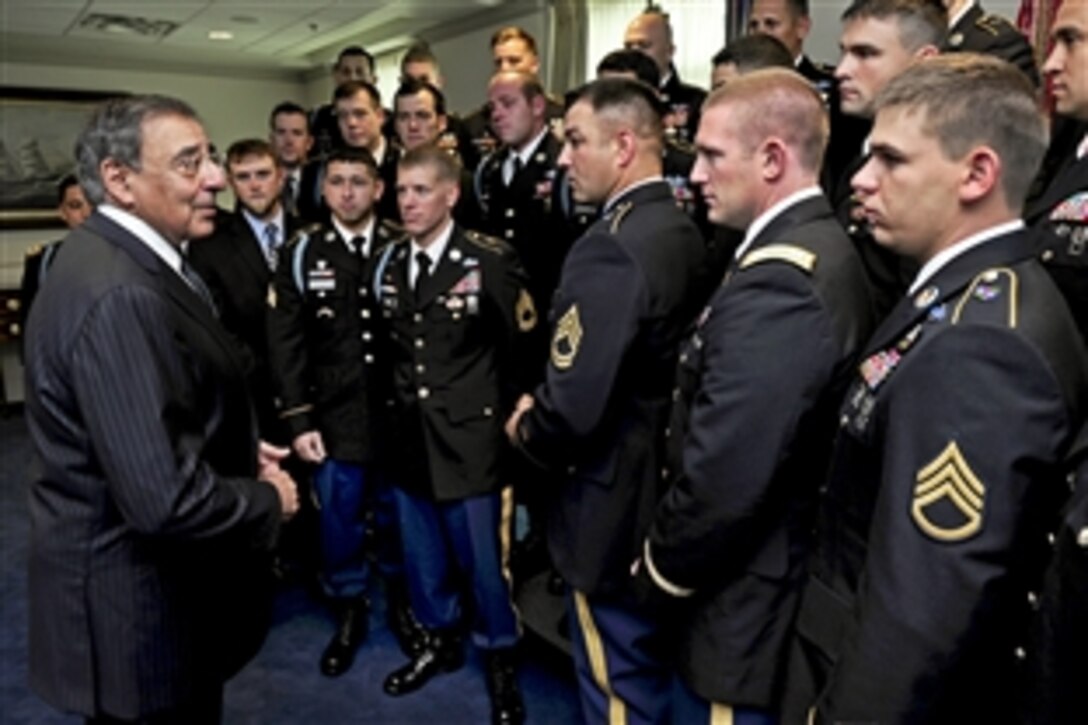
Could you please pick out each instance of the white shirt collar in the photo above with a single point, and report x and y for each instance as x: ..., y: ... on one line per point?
x: 530, y: 148
x: 367, y: 233
x: 628, y: 189
x: 434, y: 250
x: 524, y: 155
x: 760, y: 222
x: 258, y: 225
x: 140, y: 229
x: 959, y: 16
x: 1082, y: 147
x: 379, y: 154
x: 942, y: 258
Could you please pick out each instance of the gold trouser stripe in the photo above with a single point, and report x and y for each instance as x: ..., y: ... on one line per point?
x: 617, y: 709
x: 720, y: 714
x: 506, y: 529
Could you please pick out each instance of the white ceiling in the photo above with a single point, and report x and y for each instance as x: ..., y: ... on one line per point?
x: 274, y: 35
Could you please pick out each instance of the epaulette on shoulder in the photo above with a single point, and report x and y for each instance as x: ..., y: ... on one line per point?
x: 680, y: 145
x: 992, y: 24
x: 788, y: 253
x: 483, y: 241
x: 35, y: 251
x: 618, y: 214
x: 390, y: 229
x: 993, y: 296
x: 304, y: 233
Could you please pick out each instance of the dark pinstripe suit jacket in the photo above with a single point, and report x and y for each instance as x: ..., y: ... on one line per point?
x: 148, y: 583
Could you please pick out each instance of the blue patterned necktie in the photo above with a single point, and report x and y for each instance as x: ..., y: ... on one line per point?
x: 271, y: 245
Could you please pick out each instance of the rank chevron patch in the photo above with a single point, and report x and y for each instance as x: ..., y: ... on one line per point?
x: 567, y: 338
x: 948, y: 497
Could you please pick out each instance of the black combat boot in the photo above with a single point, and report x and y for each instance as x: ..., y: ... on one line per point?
x: 350, y: 633
x: 444, y: 652
x: 507, y: 707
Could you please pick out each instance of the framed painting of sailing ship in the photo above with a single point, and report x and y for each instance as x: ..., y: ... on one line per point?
x: 38, y: 130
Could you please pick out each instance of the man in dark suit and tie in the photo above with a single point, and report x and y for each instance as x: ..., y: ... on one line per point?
x: 237, y: 260
x: 289, y: 134
x: 154, y: 508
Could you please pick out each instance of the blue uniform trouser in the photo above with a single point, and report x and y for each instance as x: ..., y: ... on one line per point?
x: 690, y: 708
x: 448, y: 544
x: 620, y: 664
x: 341, y: 490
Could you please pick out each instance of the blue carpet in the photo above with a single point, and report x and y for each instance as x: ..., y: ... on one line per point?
x: 282, y: 685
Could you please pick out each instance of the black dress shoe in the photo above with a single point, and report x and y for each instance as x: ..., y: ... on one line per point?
x: 444, y: 652
x: 350, y: 633
x: 507, y: 707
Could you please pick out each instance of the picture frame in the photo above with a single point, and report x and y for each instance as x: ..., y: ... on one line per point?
x: 38, y: 131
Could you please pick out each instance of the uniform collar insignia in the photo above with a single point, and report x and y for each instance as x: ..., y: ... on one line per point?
x: 926, y: 297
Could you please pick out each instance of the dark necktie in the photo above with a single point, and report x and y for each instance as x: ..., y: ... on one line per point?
x: 424, y: 274
x: 197, y: 285
x: 289, y: 193
x: 358, y: 244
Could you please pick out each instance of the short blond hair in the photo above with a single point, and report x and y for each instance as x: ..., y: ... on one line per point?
x: 777, y: 102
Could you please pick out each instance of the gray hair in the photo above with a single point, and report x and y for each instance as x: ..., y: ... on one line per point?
x: 114, y: 131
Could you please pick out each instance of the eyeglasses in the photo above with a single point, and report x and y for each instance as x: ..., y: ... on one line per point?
x: 190, y: 164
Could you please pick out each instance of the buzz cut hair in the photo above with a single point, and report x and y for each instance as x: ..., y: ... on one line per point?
x: 920, y: 22
x: 513, y: 32
x: 777, y: 102
x: 625, y: 101
x: 631, y: 61
x: 753, y: 52
x: 528, y: 83
x: 443, y: 162
x: 970, y: 100
x: 351, y: 155
x: 419, y: 53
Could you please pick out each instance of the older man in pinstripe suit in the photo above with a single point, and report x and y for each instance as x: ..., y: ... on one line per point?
x: 154, y: 508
